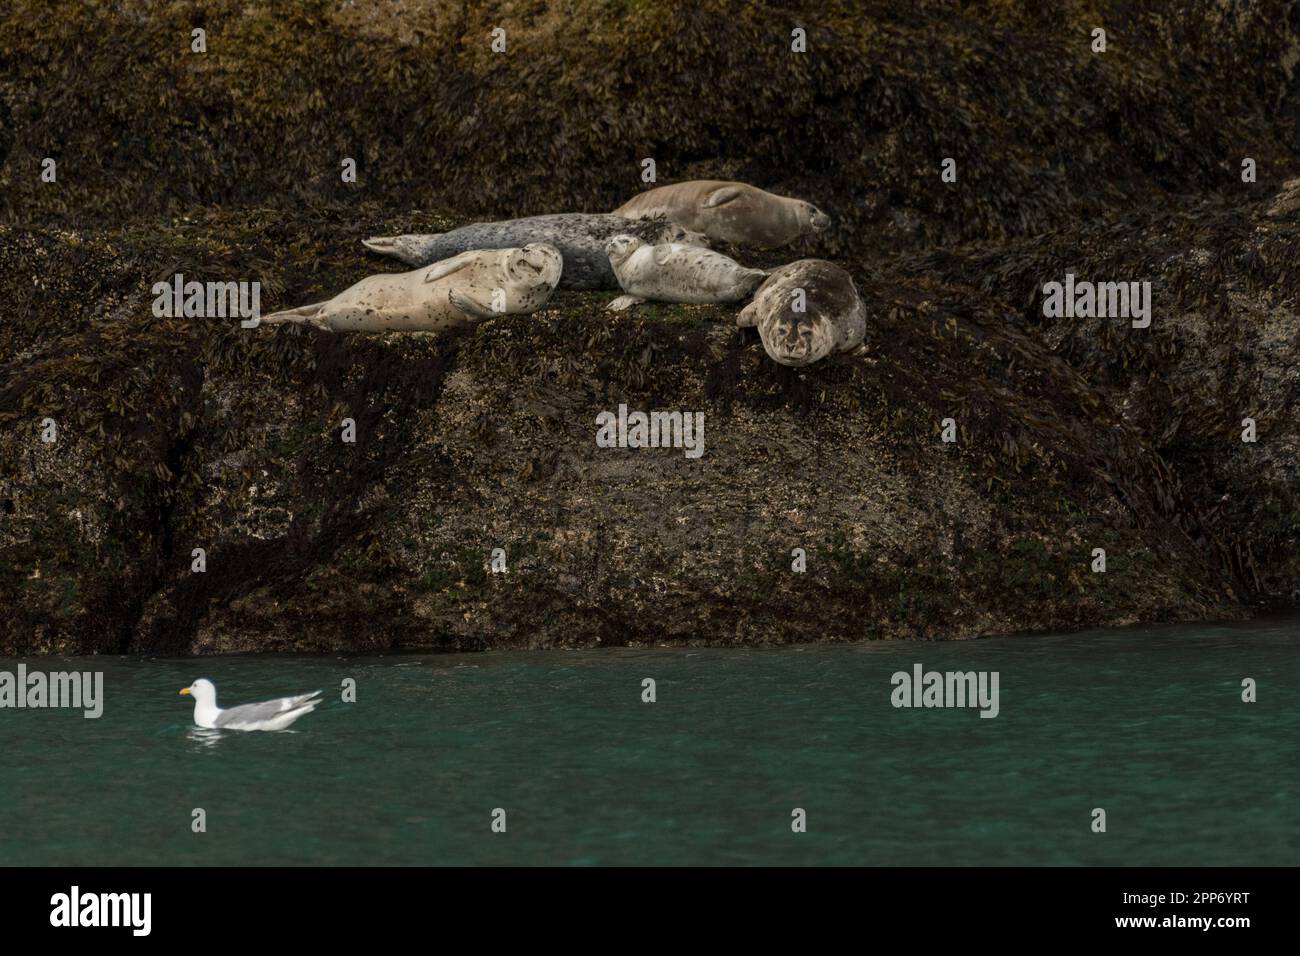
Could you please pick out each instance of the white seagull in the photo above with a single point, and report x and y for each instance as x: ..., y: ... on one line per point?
x: 268, y: 715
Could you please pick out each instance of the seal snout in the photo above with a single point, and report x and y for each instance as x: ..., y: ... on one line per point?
x: 792, y: 359
x: 818, y: 219
x: 619, y: 247
x: 794, y: 340
x: 539, y: 262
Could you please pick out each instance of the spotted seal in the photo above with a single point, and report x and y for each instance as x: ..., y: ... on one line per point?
x: 580, y: 237
x: 673, y: 272
x: 457, y: 291
x: 729, y: 212
x: 800, y: 329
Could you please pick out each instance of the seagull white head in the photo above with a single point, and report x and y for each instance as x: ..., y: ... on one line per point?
x: 203, y: 691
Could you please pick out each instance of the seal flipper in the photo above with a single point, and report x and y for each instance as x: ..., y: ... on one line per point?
x: 414, y: 250
x: 469, y: 306
x: 624, y: 302
x: 303, y: 315
x: 746, y: 317
x: 384, y: 245
x: 723, y: 194
x: 446, y: 267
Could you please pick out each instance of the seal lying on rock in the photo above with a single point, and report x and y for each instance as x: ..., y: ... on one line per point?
x: 672, y: 272
x: 580, y: 237
x: 453, y: 292
x: 833, y: 318
x: 729, y: 212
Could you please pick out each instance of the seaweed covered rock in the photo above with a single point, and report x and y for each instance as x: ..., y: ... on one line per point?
x: 1043, y: 129
x: 135, y: 450
x: 183, y: 434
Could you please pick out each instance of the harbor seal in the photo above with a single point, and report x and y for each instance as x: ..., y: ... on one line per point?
x: 456, y: 291
x: 673, y: 272
x: 833, y: 317
x: 580, y: 237
x: 729, y: 212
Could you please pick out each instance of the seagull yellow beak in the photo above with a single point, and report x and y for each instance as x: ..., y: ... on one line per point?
x: 185, y: 690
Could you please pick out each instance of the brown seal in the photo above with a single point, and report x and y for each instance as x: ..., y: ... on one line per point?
x: 729, y: 212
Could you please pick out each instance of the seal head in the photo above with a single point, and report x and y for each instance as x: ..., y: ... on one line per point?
x: 797, y: 339
x: 620, y: 247
x: 535, y: 264
x: 817, y: 220
x: 674, y: 232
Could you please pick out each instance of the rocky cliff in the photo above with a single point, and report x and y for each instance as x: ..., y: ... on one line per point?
x: 1072, y: 434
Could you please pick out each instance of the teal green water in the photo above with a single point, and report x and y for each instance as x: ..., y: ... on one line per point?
x: 1147, y: 724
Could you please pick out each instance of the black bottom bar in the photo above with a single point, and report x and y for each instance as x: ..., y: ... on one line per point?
x: 237, y: 906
